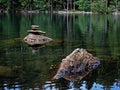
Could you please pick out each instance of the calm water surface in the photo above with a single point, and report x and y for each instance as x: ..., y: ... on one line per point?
x: 31, y: 68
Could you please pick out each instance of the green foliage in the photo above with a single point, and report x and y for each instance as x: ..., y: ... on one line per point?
x: 41, y: 4
x: 83, y: 5
x: 98, y: 6
x: 101, y: 6
x: 23, y: 3
x: 104, y: 6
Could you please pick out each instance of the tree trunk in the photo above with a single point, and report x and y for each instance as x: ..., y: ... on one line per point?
x: 70, y: 4
x: 116, y: 5
x: 91, y: 5
x: 73, y: 4
x: 90, y: 27
x: 67, y: 5
x: 106, y: 3
x: 51, y: 1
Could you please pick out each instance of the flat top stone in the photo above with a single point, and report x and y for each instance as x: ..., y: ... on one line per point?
x: 32, y: 39
x: 36, y: 31
x: 34, y: 27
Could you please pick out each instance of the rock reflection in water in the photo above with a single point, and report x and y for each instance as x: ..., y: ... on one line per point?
x: 77, y: 65
x: 76, y: 76
x: 35, y: 48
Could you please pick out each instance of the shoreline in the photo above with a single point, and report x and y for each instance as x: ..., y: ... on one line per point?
x: 66, y: 12
x: 57, y: 12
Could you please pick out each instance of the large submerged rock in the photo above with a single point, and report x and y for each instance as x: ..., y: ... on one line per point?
x: 36, y: 37
x: 77, y: 65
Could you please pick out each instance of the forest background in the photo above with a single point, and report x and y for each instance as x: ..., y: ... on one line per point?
x: 100, y: 6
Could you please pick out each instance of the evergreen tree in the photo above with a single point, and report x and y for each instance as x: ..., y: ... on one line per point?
x: 101, y: 6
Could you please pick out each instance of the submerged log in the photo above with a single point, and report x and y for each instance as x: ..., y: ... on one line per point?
x: 79, y: 63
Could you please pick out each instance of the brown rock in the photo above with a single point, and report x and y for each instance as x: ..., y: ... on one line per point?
x: 35, y: 37
x: 34, y: 27
x: 32, y: 39
x: 79, y: 61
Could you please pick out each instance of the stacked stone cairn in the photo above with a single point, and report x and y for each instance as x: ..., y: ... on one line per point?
x: 36, y: 37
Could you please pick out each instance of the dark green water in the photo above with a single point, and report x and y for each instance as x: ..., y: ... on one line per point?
x: 21, y: 69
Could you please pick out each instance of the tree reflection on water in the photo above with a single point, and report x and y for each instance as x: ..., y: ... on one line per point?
x: 21, y: 69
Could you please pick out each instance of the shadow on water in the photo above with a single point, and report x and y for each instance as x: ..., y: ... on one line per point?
x: 21, y: 69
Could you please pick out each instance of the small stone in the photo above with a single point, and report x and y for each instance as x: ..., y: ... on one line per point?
x: 35, y: 27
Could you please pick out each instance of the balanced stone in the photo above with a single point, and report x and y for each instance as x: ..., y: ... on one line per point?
x: 35, y: 27
x: 35, y: 37
x: 32, y: 39
x: 38, y: 32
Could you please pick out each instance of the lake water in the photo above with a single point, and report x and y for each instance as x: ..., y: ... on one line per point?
x: 32, y: 68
